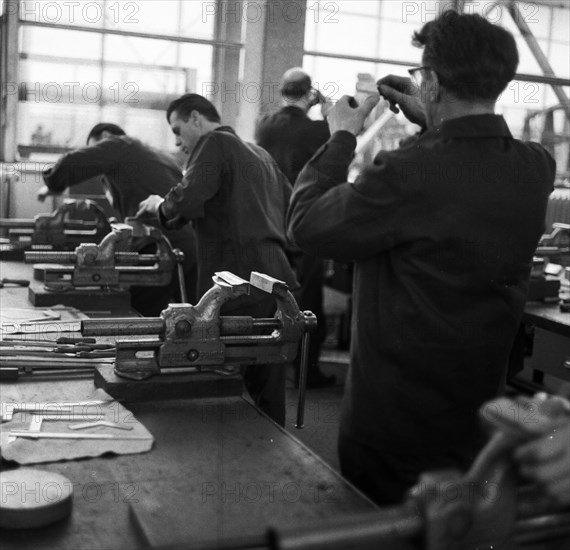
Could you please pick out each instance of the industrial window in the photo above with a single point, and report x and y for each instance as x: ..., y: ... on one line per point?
x: 532, y: 108
x: 115, y: 60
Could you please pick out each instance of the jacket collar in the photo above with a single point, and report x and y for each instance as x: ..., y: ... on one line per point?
x: 472, y: 126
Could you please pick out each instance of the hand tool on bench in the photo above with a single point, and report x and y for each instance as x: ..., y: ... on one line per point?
x: 4, y: 281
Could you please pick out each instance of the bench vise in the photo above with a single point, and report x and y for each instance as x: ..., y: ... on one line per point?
x: 197, y: 337
x: 73, y: 223
x: 555, y: 246
x: 110, y: 264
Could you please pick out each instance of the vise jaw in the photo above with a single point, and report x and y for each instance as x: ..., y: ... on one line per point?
x: 199, y: 338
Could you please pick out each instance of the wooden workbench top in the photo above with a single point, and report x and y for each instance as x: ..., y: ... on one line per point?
x: 547, y: 316
x: 219, y: 471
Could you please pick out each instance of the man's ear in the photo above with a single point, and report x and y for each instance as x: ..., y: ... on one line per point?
x: 195, y: 118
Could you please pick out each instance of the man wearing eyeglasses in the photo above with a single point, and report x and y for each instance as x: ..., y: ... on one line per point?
x: 442, y: 232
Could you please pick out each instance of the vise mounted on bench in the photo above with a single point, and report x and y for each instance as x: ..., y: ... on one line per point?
x: 110, y: 263
x: 73, y: 223
x: 197, y: 339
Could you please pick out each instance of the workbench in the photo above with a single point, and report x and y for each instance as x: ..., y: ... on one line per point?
x: 551, y: 345
x: 219, y: 474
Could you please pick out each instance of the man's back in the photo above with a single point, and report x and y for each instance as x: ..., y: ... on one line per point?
x: 291, y: 138
x: 133, y: 170
x: 443, y: 232
x: 443, y: 287
x: 237, y: 198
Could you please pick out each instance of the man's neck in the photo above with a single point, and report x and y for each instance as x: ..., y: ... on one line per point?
x: 455, y: 108
x: 299, y: 103
x: 209, y: 126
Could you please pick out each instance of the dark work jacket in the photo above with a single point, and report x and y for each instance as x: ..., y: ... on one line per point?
x: 132, y: 171
x: 237, y: 198
x: 291, y: 138
x: 443, y: 232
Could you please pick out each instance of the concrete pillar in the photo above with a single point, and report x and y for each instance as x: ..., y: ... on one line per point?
x: 283, y: 46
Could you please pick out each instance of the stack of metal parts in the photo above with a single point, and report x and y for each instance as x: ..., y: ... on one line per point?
x: 62, y: 357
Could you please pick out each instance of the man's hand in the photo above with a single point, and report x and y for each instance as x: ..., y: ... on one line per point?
x: 351, y: 119
x: 545, y: 461
x: 402, y: 93
x: 44, y: 192
x: 149, y: 207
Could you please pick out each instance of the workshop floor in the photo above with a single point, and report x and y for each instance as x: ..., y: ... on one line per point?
x: 322, y: 408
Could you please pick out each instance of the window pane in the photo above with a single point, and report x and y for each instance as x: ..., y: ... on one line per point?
x: 148, y: 125
x: 142, y: 51
x: 62, y: 43
x: 396, y: 42
x: 60, y: 124
x: 362, y: 7
x: 157, y: 17
x: 197, y: 19
x: 196, y: 60
x: 338, y: 37
x: 128, y: 84
x: 174, y: 17
x: 561, y: 24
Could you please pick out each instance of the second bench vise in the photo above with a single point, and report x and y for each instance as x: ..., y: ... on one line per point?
x: 73, y: 223
x: 109, y: 264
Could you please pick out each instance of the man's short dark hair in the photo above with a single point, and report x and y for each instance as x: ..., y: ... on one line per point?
x: 296, y: 89
x: 473, y: 59
x: 98, y: 129
x: 193, y: 102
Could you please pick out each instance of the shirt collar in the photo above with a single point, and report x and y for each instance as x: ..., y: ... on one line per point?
x: 228, y: 129
x: 472, y: 126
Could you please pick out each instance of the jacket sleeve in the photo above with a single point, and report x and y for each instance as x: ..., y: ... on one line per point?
x: 331, y: 218
x: 85, y: 163
x: 186, y: 200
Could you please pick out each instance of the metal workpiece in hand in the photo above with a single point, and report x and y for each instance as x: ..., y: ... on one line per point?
x: 484, y: 507
x: 73, y: 223
x: 110, y: 263
x: 197, y: 336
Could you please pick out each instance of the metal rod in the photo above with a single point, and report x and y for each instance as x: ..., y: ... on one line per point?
x: 155, y: 325
x: 181, y: 281
x: 303, y: 381
x: 61, y: 257
x: 371, y: 530
x: 63, y: 435
x: 366, y: 139
x: 17, y: 223
x: 125, y: 326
